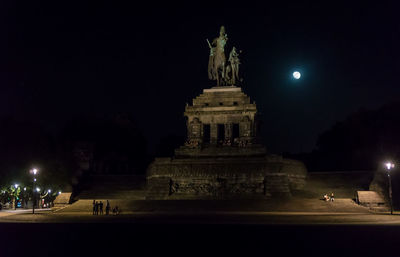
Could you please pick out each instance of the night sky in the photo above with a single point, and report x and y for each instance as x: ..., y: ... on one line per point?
x: 58, y: 61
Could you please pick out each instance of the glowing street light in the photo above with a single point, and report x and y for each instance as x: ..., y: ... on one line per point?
x: 34, y: 171
x: 49, y: 190
x: 390, y: 166
x: 15, y: 196
x: 59, y: 192
x: 37, y: 189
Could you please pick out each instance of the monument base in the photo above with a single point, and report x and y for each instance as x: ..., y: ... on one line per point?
x: 224, y: 178
x: 222, y: 157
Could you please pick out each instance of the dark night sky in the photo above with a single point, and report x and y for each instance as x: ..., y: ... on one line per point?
x: 60, y: 60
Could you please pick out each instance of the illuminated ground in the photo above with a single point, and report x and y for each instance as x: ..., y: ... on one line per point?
x: 295, y: 211
x: 324, y: 229
x: 306, y: 218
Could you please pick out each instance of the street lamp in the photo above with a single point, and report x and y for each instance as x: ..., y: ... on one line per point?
x: 15, y: 196
x: 389, y: 166
x: 34, y: 172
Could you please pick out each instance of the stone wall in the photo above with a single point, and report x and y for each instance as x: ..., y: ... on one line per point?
x: 224, y: 178
x: 221, y: 106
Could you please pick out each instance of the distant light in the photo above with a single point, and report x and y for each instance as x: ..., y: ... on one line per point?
x: 35, y: 171
x: 389, y: 165
x: 59, y: 192
x: 34, y: 179
x: 24, y: 188
x: 16, y: 185
x: 37, y: 189
x: 296, y: 75
x: 49, y: 190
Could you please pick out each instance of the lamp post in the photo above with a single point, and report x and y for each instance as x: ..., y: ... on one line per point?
x: 15, y: 196
x: 389, y: 166
x: 48, y: 198
x: 24, y: 198
x: 34, y: 172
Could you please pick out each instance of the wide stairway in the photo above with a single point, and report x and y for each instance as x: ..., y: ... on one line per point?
x: 200, y: 206
x: 122, y: 187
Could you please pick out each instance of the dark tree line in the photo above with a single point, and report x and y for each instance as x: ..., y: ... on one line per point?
x: 361, y: 142
x: 84, y: 145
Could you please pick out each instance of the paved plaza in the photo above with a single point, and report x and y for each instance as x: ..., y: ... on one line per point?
x: 293, y: 211
x: 199, y: 228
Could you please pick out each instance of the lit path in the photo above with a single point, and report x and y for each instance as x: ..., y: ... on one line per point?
x: 293, y: 211
x: 10, y: 212
x: 268, y: 218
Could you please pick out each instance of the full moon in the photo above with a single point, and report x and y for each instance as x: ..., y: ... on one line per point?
x: 296, y: 75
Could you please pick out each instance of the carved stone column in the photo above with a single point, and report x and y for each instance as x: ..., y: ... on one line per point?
x: 213, y: 133
x: 228, y: 131
x: 245, y: 127
x: 195, y: 129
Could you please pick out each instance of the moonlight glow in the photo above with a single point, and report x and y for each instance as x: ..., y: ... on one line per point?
x: 296, y: 75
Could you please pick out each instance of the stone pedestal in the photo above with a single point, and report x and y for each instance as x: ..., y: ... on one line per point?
x: 224, y: 178
x: 222, y: 158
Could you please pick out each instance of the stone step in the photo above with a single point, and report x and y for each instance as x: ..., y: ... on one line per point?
x: 87, y: 205
x: 291, y: 204
x: 158, y: 188
x: 380, y: 209
x: 63, y: 198
x: 116, y: 194
x: 113, y: 187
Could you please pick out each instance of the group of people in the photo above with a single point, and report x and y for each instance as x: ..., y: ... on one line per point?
x: 98, y: 208
x: 329, y: 197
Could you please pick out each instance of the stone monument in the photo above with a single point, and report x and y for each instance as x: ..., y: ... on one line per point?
x: 222, y: 157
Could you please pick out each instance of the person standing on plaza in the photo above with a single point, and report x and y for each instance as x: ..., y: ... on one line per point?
x: 94, y: 207
x: 97, y: 208
x: 108, y: 208
x: 101, y: 208
x: 332, y: 197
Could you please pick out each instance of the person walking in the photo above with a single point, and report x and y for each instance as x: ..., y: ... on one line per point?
x: 332, y: 197
x: 101, y: 208
x: 108, y: 207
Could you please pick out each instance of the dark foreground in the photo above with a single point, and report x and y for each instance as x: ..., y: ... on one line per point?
x: 121, y: 239
x: 326, y: 232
